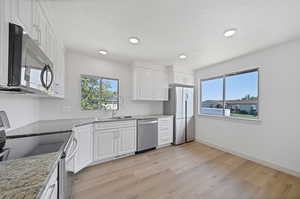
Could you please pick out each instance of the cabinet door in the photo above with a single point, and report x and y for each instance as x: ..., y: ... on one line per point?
x: 4, y: 7
x: 59, y: 70
x: 104, y: 144
x: 160, y: 85
x: 21, y: 13
x: 143, y: 84
x: 165, y: 131
x: 84, y: 156
x: 127, y: 140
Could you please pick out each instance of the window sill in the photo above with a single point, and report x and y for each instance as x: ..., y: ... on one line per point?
x: 230, y: 118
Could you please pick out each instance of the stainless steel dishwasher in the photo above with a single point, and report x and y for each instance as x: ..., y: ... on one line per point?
x: 147, y: 134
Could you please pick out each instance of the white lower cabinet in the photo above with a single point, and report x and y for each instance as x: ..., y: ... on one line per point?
x: 119, y: 139
x: 51, y: 189
x: 127, y: 140
x: 84, y: 142
x: 165, y: 131
x: 105, y: 144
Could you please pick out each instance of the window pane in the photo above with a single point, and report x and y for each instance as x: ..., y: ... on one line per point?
x: 110, y: 92
x: 241, y: 97
x: 212, y: 97
x: 90, y: 92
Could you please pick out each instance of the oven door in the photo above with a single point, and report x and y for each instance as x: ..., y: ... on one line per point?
x: 66, y: 169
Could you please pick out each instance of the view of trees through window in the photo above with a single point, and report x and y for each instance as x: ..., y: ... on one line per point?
x: 99, y: 93
x: 234, y: 95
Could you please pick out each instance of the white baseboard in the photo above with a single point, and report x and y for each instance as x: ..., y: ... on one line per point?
x: 259, y: 161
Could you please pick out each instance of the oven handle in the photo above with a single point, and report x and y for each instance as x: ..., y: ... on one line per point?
x: 52, y: 190
x: 69, y: 157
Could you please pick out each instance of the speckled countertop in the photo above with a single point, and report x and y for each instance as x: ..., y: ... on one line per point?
x: 25, y: 178
x: 66, y: 125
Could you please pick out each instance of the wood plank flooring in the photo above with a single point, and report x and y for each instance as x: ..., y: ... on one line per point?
x: 189, y: 171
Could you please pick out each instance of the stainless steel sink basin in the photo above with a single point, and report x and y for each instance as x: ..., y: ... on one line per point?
x: 113, y: 118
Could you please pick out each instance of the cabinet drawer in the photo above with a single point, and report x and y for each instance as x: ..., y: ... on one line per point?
x: 115, y: 124
x: 164, y: 132
x: 164, y: 140
x: 164, y: 122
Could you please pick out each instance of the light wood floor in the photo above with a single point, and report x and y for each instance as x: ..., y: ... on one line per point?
x: 187, y: 171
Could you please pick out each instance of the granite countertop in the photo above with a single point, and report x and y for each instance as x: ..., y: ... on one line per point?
x: 65, y: 125
x: 25, y: 178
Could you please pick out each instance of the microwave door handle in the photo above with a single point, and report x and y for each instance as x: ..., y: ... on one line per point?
x: 47, y: 69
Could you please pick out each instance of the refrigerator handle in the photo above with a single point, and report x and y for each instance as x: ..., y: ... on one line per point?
x: 185, y: 114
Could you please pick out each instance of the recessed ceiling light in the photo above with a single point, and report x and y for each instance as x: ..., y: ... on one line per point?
x: 134, y: 40
x: 230, y: 32
x: 102, y: 52
x: 182, y: 56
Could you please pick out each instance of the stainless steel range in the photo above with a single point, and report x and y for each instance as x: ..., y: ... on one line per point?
x: 20, y: 146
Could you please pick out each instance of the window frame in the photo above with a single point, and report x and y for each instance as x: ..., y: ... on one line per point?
x: 224, y: 93
x: 99, y: 103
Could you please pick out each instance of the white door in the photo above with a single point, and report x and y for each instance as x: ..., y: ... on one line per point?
x: 104, y: 144
x: 84, y: 156
x: 127, y: 140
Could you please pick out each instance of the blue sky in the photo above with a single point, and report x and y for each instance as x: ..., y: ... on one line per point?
x: 237, y: 87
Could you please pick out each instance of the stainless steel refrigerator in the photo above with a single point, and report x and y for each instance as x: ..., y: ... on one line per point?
x: 181, y: 105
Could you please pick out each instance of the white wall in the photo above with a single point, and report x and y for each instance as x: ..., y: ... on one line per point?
x: 78, y: 63
x: 275, y: 140
x: 20, y: 109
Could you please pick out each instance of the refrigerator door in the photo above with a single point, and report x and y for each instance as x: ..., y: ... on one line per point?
x: 190, y: 129
x: 179, y: 102
x: 179, y: 133
x: 189, y: 98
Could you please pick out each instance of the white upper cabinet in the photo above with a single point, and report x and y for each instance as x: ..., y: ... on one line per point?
x: 31, y: 15
x: 150, y: 84
x: 4, y: 12
x: 21, y: 13
x: 180, y: 77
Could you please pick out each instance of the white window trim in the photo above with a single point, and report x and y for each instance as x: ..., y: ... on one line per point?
x: 199, y: 96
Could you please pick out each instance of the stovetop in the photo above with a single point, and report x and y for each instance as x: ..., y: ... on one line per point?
x: 20, y: 147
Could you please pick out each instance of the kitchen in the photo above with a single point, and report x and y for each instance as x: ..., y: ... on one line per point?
x: 77, y: 104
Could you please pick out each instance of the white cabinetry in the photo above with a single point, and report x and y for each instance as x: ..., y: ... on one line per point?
x: 105, y: 144
x: 112, y: 139
x: 21, y: 13
x: 31, y: 15
x: 127, y: 140
x: 150, y: 84
x: 4, y: 12
x: 179, y: 77
x: 84, y: 155
x: 165, y: 131
x: 51, y: 189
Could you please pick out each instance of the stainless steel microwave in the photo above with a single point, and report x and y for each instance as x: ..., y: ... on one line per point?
x: 29, y: 69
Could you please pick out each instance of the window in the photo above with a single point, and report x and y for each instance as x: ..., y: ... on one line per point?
x: 99, y: 93
x: 233, y: 95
